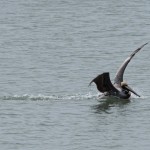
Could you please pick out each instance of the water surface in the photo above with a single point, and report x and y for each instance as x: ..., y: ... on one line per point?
x: 49, y: 52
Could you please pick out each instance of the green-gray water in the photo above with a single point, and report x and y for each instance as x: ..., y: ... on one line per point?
x: 49, y: 52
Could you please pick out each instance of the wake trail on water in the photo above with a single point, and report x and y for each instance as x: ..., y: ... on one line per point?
x: 50, y: 97
x: 76, y: 96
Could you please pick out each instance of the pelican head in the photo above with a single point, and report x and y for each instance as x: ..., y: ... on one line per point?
x: 126, y: 87
x: 123, y: 84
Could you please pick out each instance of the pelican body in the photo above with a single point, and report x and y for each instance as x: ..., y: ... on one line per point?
x: 119, y: 88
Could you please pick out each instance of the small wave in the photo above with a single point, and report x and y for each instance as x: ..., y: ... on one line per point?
x: 51, y: 97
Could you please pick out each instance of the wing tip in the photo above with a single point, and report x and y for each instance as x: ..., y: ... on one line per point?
x: 90, y: 83
x: 144, y: 44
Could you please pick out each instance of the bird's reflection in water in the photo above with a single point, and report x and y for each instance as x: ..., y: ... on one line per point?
x: 106, y: 104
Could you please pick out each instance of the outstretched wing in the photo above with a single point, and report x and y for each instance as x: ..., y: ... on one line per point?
x: 119, y: 75
x: 103, y: 83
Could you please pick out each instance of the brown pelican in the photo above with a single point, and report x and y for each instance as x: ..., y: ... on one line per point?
x: 120, y: 88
